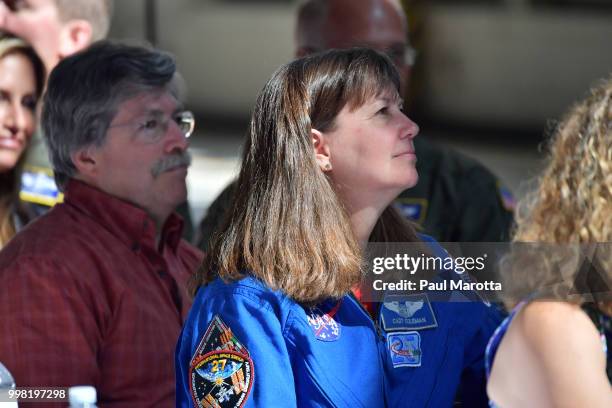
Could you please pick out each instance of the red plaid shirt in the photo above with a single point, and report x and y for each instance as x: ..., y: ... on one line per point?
x: 86, y: 297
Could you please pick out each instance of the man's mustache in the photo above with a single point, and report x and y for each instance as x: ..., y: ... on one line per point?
x: 171, y: 162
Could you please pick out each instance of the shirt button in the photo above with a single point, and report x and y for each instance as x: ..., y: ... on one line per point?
x: 161, y: 273
x: 135, y: 247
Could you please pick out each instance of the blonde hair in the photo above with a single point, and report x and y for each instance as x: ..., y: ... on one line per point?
x: 10, y: 180
x: 286, y: 225
x: 571, y: 205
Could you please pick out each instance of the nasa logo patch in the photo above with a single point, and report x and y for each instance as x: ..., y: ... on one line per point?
x: 324, y: 326
x: 221, y: 371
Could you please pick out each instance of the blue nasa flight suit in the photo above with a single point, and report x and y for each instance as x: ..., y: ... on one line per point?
x: 246, y: 344
x: 439, y: 350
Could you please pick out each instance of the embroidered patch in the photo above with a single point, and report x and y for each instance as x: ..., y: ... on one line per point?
x: 407, y: 312
x: 221, y: 379
x: 323, y: 325
x: 219, y: 336
x: 413, y: 208
x: 221, y: 372
x: 38, y: 186
x: 405, y: 349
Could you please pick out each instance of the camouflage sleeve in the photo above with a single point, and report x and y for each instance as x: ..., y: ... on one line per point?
x: 486, y: 208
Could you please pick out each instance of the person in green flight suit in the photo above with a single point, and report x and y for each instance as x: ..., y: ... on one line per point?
x: 56, y: 29
x: 456, y: 199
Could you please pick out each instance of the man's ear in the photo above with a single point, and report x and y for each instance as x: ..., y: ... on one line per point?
x: 86, y: 162
x: 74, y: 36
x: 320, y: 145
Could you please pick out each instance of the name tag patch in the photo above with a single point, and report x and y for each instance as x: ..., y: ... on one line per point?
x: 407, y: 312
x: 221, y: 371
x: 405, y: 349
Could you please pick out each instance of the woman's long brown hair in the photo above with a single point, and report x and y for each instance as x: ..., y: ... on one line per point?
x: 287, y: 227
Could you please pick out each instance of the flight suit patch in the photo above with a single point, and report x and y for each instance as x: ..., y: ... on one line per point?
x: 407, y: 312
x: 405, y: 349
x: 413, y: 208
x: 323, y: 325
x: 506, y: 197
x: 221, y: 371
x: 39, y: 187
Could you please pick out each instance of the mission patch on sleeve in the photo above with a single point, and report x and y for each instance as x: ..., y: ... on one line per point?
x: 221, y: 371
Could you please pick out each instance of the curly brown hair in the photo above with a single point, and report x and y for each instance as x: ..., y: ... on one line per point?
x: 571, y: 205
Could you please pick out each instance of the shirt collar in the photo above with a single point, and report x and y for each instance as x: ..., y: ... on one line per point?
x: 129, y: 223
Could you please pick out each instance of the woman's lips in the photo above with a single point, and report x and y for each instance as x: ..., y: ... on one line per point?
x: 407, y: 153
x: 11, y: 143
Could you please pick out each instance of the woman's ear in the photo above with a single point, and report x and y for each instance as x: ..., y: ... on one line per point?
x: 320, y: 146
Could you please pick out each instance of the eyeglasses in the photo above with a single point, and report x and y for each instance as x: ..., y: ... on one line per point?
x: 400, y: 55
x: 153, y: 127
x: 403, y: 55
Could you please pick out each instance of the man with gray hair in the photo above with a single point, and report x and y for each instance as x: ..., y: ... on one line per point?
x: 93, y: 292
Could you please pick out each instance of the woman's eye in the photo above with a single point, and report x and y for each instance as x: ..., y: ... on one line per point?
x: 383, y: 111
x: 30, y: 103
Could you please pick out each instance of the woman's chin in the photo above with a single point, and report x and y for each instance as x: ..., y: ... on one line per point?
x: 8, y: 161
x: 408, y: 181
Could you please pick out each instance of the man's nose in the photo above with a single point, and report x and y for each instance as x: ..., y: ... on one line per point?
x: 176, y: 138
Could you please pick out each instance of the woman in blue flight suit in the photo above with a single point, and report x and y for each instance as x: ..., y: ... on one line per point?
x: 274, y: 322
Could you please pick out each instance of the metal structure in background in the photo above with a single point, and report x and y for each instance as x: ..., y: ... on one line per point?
x: 506, y: 64
x: 150, y: 21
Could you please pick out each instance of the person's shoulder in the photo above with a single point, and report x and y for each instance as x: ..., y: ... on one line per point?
x: 244, y: 305
x: 40, y: 239
x: 546, y: 326
x: 246, y: 290
x: 558, y: 343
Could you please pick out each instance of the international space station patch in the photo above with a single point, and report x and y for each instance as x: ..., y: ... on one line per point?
x: 221, y: 372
